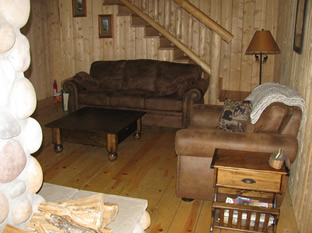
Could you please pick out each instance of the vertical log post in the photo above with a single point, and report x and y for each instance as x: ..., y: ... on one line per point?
x: 156, y: 10
x: 215, y: 69
x: 167, y: 15
x: 178, y: 23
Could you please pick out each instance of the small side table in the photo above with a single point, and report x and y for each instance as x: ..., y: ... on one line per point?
x: 247, y: 174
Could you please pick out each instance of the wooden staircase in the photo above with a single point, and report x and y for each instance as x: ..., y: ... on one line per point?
x: 164, y: 44
x: 176, y: 54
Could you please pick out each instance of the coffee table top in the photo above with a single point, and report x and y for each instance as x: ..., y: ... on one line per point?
x: 97, y: 120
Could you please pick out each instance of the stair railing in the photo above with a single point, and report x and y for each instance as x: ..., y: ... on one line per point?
x: 203, y: 18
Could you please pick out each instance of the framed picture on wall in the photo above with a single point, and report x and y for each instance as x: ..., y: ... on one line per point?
x: 79, y: 8
x: 105, y: 26
x: 299, y: 27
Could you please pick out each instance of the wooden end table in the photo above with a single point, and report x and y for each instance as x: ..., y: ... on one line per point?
x: 96, y: 126
x: 246, y: 174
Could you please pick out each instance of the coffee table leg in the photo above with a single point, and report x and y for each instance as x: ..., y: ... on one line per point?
x: 137, y: 134
x: 111, y: 146
x: 57, y: 140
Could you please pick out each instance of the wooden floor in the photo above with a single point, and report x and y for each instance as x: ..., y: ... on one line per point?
x: 145, y: 169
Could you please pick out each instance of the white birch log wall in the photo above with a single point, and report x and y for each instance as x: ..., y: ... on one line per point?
x: 295, y: 70
x: 20, y: 135
x: 67, y: 44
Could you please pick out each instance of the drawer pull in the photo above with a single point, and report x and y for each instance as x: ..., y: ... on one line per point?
x: 248, y: 181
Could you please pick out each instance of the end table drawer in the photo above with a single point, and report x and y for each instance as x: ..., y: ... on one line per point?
x: 269, y: 182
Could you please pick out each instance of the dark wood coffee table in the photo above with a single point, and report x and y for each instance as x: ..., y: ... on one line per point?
x: 96, y: 126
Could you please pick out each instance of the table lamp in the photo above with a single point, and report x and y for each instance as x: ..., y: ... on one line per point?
x: 262, y: 43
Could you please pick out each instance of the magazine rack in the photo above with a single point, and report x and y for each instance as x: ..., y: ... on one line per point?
x: 244, y: 218
x: 248, y: 174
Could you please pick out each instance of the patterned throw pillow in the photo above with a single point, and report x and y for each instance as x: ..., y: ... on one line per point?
x: 234, y: 115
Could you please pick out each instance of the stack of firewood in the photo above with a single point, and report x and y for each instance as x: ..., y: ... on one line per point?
x: 86, y: 215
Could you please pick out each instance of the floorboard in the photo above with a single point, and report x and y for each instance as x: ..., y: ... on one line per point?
x: 145, y: 168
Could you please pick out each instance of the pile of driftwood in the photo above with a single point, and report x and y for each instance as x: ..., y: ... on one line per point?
x: 86, y: 215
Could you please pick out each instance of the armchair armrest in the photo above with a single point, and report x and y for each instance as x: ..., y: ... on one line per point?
x: 70, y: 86
x: 202, y: 85
x: 202, y: 142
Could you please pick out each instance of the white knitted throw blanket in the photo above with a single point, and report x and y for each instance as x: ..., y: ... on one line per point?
x: 267, y: 93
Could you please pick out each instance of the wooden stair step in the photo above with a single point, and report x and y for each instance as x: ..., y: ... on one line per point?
x: 112, y: 2
x: 178, y: 54
x: 151, y: 32
x: 167, y: 48
x: 137, y: 21
x: 125, y: 11
x: 185, y: 60
x: 164, y: 43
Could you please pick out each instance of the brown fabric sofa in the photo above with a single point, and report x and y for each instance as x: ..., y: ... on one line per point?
x: 164, y: 90
x: 277, y: 128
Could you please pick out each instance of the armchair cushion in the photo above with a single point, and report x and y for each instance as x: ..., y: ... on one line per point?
x: 234, y: 116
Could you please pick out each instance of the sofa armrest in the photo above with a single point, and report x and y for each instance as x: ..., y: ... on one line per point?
x: 71, y: 87
x: 204, y: 115
x: 202, y: 85
x: 192, y: 96
x: 203, y: 142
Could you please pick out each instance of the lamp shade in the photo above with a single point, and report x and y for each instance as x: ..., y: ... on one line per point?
x: 262, y: 42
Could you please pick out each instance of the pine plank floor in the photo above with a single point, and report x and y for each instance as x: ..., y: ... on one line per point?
x: 145, y: 168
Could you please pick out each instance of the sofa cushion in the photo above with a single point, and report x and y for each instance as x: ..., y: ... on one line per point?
x: 129, y: 98
x: 234, y: 116
x: 94, y: 98
x: 164, y: 103
x: 86, y: 81
x: 109, y: 73
x: 140, y: 74
x: 176, y: 78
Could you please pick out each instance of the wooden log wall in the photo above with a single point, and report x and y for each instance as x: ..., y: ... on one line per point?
x: 62, y: 45
x: 295, y: 70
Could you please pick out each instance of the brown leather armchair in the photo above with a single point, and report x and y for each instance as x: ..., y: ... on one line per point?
x: 277, y: 128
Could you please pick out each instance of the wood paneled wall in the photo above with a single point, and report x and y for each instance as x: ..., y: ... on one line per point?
x: 62, y: 45
x: 295, y: 70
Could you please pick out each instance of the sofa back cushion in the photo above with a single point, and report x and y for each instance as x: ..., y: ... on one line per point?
x: 140, y: 74
x: 270, y: 119
x: 176, y: 78
x: 278, y: 118
x: 109, y: 73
